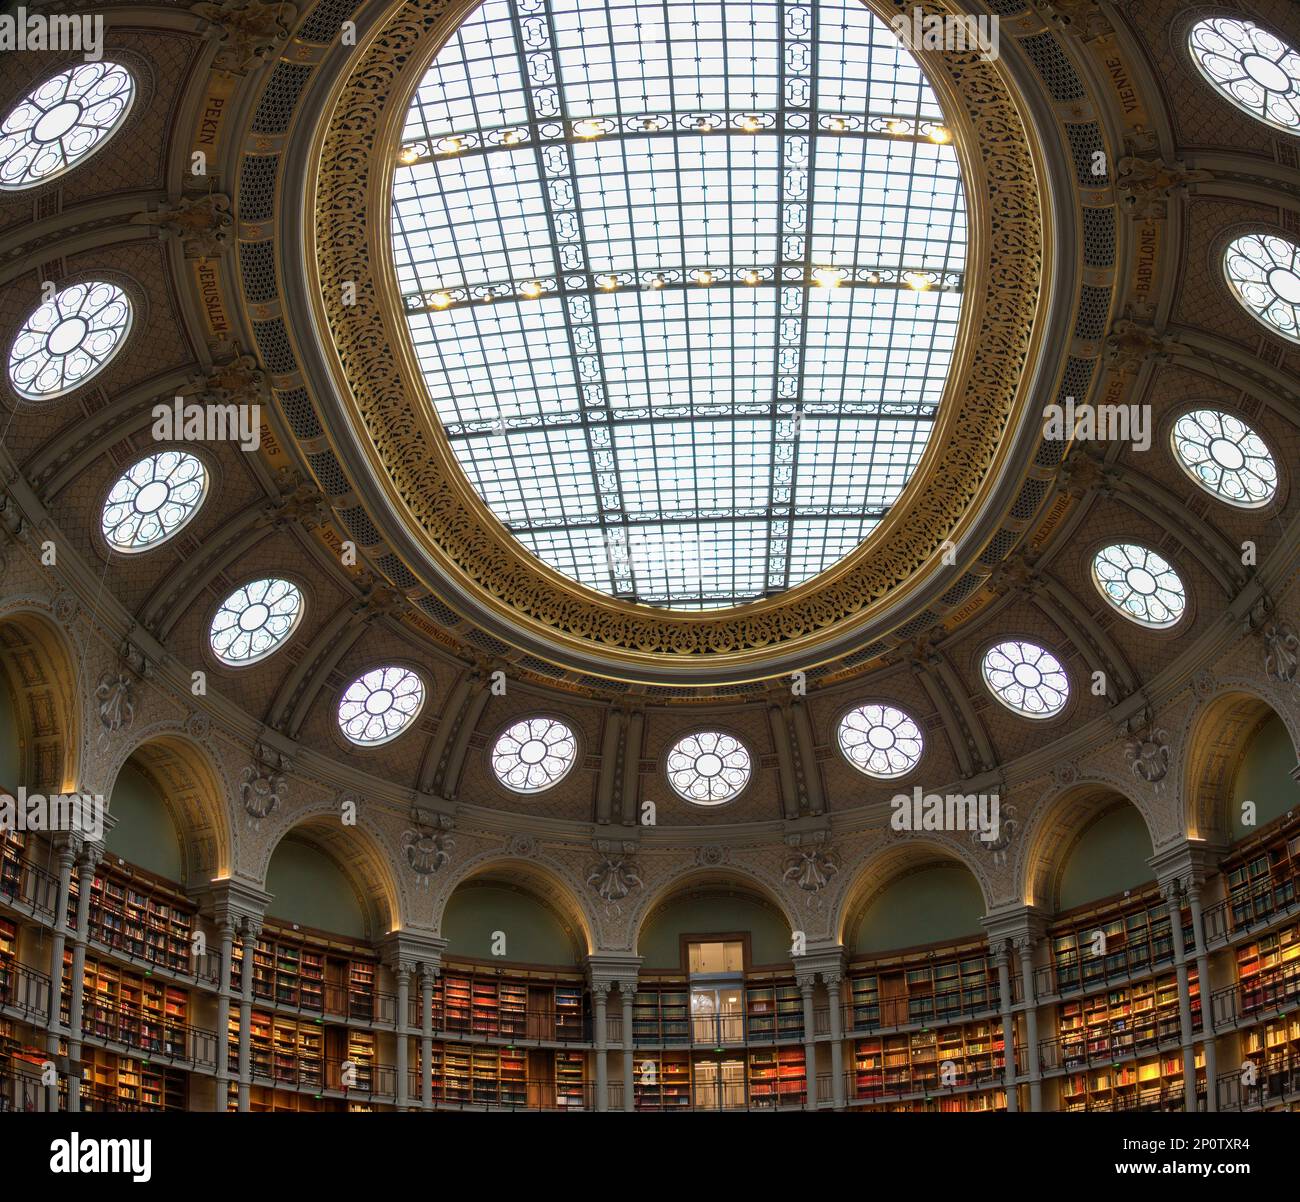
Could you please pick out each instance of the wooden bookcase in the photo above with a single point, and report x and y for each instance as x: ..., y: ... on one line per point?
x: 8, y: 957
x: 1148, y: 1083
x: 111, y: 1082
x: 124, y: 1007
x: 661, y: 1015
x: 570, y: 1080
x: 910, y: 990
x: 773, y: 1012
x: 1263, y: 879
x: 1125, y: 1021
x: 297, y: 970
x: 662, y: 1081
x: 11, y: 862
x: 485, y: 1003
x: 140, y: 918
x: 1268, y: 971
x: 776, y: 1078
x: 1137, y: 937
x: 912, y: 1063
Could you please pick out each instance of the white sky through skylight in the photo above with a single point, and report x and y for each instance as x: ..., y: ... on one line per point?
x: 609, y: 224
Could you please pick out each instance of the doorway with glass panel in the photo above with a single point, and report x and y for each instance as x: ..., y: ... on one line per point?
x: 718, y: 1084
x: 717, y: 985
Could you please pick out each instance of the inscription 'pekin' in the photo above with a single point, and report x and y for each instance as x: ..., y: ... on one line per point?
x: 210, y: 122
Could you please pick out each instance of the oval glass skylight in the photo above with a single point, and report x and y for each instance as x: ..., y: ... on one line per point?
x: 683, y: 282
x: 254, y: 620
x: 534, y: 754
x: 1142, y: 585
x: 379, y: 705
x: 708, y: 768
x: 68, y: 339
x: 152, y: 500
x: 1026, y: 678
x: 63, y: 121
x: 881, y: 741
x: 1252, y: 68
x: 1264, y: 272
x: 1225, y: 457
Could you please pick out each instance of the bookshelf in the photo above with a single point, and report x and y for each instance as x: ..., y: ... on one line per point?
x: 776, y: 1079
x: 662, y: 1081
x: 1124, y: 1021
x: 773, y: 1012
x: 299, y: 972
x: 1268, y: 970
x: 489, y: 1005
x: 121, y: 1006
x: 1148, y: 1083
x: 905, y: 991
x: 661, y: 1015
x: 914, y: 1062
x: 1137, y: 937
x: 11, y: 862
x: 1263, y: 879
x: 111, y: 1082
x: 8, y: 957
x: 141, y: 919
x: 570, y: 1080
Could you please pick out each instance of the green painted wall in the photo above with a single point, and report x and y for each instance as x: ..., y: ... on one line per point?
x: 1265, y: 778
x: 534, y: 933
x: 311, y: 890
x: 10, y: 753
x: 942, y: 902
x: 1109, y: 857
x: 145, y: 834
x: 769, y: 933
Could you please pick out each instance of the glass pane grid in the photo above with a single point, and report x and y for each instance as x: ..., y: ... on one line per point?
x: 642, y: 430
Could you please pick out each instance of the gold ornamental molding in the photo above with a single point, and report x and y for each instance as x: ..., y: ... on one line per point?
x: 379, y: 389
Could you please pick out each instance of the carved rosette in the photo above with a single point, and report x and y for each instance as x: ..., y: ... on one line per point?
x: 1281, y: 652
x: 1147, y: 752
x: 1008, y: 824
x: 613, y: 878
x: 263, y: 784
x: 811, y: 868
x: 427, y: 852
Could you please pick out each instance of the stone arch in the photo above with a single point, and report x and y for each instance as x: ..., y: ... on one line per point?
x: 197, y: 795
x: 1060, y: 820
x: 542, y: 881
x: 1219, y: 732
x: 37, y: 660
x: 743, y: 881
x: 357, y: 851
x: 885, y: 865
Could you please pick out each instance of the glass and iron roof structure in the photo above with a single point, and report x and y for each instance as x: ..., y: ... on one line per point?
x: 683, y: 281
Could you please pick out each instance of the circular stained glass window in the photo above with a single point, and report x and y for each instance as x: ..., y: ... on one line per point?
x: 1225, y: 457
x: 1256, y: 71
x: 534, y: 754
x: 254, y: 620
x: 881, y: 741
x: 379, y: 705
x: 62, y: 122
x: 1026, y: 678
x: 152, y: 500
x: 68, y: 339
x: 1140, y: 584
x: 708, y: 768
x: 1263, y: 271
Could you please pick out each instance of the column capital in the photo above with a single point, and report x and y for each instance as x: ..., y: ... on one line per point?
x: 1015, y: 922
x: 600, y: 990
x: 404, y: 950
x: 613, y: 968
x: 241, y: 903
x: 825, y: 960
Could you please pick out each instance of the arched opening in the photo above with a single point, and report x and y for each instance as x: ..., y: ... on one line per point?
x: 1263, y: 788
x: 1108, y: 856
x: 713, y: 911
x: 144, y: 833
x: 498, y: 919
x: 38, y: 710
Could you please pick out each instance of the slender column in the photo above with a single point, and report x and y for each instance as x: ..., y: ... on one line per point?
x: 1002, y: 958
x: 58, y: 942
x: 1174, y: 895
x: 1207, y: 1017
x: 835, y: 998
x: 1026, y: 948
x: 248, y: 944
x: 428, y: 974
x: 629, y: 1047
x: 599, y: 997
x: 402, y: 975
x: 224, y: 997
x: 809, y: 1041
x: 86, y: 862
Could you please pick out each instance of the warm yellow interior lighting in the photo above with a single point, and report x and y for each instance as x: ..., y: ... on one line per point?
x: 408, y: 155
x: 828, y: 277
x: 532, y: 290
x: 941, y: 134
x: 442, y: 300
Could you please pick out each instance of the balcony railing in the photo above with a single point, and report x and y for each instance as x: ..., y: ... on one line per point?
x: 316, y: 1074
x: 1275, y: 1081
x: 195, y: 1046
x: 23, y: 883
x: 548, y: 1025
x: 1273, y: 989
x: 1105, y: 1047
x: 881, y: 1084
x: 950, y: 1006
x: 25, y: 990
